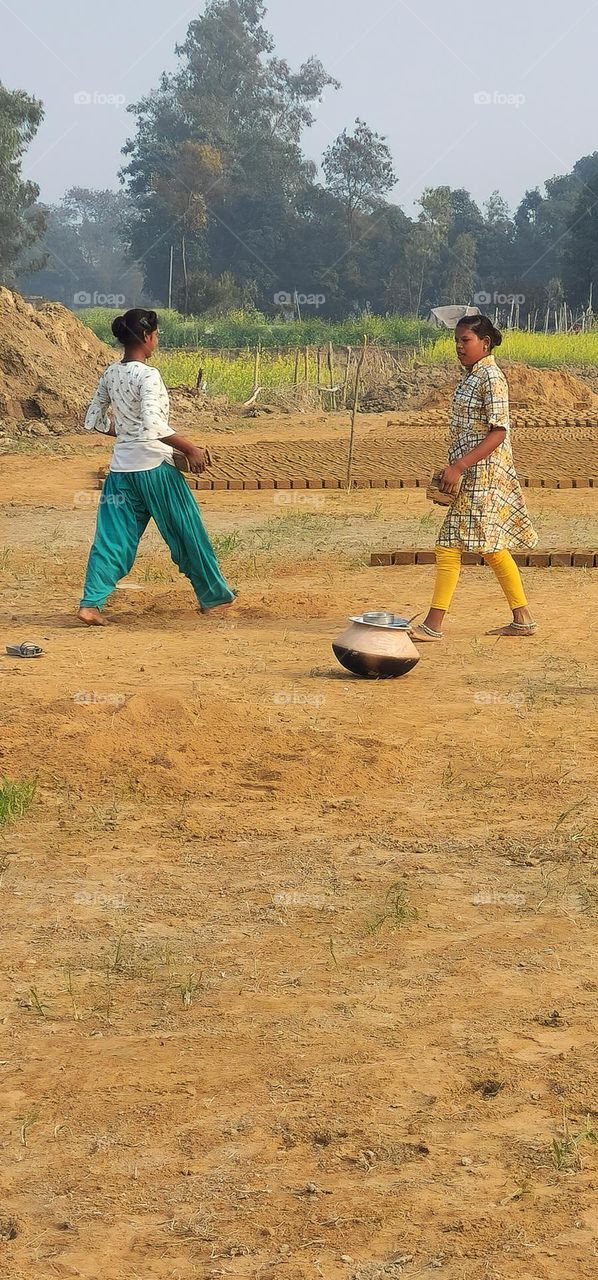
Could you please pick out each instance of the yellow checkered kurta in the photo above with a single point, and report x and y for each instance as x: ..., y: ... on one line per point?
x: 489, y: 512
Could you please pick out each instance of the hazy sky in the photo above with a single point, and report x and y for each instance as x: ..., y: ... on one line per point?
x: 411, y: 70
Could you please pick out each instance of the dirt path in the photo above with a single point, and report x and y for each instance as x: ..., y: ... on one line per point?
x: 300, y: 976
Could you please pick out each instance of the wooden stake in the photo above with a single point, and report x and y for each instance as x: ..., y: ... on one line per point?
x: 331, y: 376
x: 306, y: 366
x: 256, y: 367
x: 296, y: 374
x: 354, y: 412
x: 346, y: 382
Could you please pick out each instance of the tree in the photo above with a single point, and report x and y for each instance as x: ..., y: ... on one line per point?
x: 84, y: 249
x: 231, y: 95
x: 580, y: 258
x: 21, y: 223
x: 196, y: 170
x: 359, y: 172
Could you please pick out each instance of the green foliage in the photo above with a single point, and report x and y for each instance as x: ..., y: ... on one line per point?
x: 21, y: 224
x: 244, y: 329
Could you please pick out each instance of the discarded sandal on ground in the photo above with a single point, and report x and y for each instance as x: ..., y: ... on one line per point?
x: 24, y: 650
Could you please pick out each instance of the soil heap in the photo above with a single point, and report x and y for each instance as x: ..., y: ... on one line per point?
x: 49, y: 366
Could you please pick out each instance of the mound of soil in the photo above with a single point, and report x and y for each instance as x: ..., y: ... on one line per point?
x: 49, y: 365
x: 543, y: 390
x: 431, y: 388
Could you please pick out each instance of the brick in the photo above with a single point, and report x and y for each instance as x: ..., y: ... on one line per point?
x: 425, y: 557
x: 520, y: 557
x: 565, y: 482
x: 409, y: 482
x: 331, y: 482
x: 584, y: 559
x: 392, y: 482
x: 581, y: 482
x: 235, y: 484
x: 204, y: 485
x: 298, y: 482
x: 282, y: 482
x: 250, y: 484
x: 471, y: 557
x: 381, y: 558
x: 403, y: 557
x: 266, y: 484
x: 219, y: 484
x: 538, y: 559
x: 560, y: 559
x: 314, y: 482
x: 378, y: 482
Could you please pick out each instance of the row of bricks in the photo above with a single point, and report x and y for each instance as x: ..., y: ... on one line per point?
x: 531, y: 559
x: 517, y: 420
x: 372, y: 482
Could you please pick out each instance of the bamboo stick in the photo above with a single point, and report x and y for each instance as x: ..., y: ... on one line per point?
x: 256, y: 367
x: 354, y: 413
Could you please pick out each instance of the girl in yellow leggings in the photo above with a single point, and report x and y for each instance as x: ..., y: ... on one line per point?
x: 488, y: 512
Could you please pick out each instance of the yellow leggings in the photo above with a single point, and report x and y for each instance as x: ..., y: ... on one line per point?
x: 448, y: 568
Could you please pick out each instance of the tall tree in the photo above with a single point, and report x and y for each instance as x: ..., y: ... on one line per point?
x: 21, y: 222
x: 232, y: 95
x: 580, y: 258
x: 359, y: 172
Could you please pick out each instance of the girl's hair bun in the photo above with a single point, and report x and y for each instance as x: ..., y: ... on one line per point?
x: 119, y: 328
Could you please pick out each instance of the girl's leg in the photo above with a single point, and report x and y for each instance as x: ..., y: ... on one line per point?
x: 448, y: 568
x: 175, y: 511
x: 509, y: 577
x: 121, y: 520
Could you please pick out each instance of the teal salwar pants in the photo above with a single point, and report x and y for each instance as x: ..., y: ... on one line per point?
x: 129, y: 500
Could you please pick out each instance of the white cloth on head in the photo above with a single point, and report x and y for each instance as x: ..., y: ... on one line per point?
x: 139, y: 402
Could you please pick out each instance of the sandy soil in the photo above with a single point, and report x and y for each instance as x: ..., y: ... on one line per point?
x: 299, y: 975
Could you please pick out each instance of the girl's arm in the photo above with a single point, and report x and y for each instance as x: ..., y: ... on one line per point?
x: 96, y: 418
x: 154, y: 415
x: 199, y: 458
x: 452, y: 474
x: 495, y: 402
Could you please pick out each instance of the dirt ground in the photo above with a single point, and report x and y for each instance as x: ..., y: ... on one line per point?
x: 299, y: 971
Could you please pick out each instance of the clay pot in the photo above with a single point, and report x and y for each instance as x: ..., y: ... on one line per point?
x: 377, y: 646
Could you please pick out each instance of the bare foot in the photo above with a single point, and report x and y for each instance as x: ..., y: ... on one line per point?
x: 216, y: 609
x: 91, y: 617
x: 520, y: 629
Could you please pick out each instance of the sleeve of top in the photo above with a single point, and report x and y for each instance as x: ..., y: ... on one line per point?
x: 96, y: 418
x: 154, y: 406
x: 495, y: 400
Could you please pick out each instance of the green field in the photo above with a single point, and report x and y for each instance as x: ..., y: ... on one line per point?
x: 224, y: 348
x: 242, y: 329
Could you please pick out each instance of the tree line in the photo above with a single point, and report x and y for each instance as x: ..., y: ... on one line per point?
x: 219, y: 208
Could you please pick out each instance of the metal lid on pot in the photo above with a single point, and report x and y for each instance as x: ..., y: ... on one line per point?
x: 381, y: 618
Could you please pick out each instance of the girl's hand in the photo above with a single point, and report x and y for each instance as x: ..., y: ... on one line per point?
x: 450, y: 477
x: 199, y: 458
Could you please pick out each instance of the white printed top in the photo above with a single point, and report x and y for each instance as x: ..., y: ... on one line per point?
x: 138, y: 399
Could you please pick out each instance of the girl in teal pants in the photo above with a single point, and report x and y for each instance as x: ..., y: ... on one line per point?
x: 131, y: 403
x: 128, y: 501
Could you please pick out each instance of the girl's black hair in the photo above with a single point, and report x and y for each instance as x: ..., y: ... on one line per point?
x: 484, y: 328
x: 133, y: 326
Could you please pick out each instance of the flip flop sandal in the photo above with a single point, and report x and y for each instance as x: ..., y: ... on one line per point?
x: 425, y: 634
x: 24, y: 650
x: 520, y: 629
